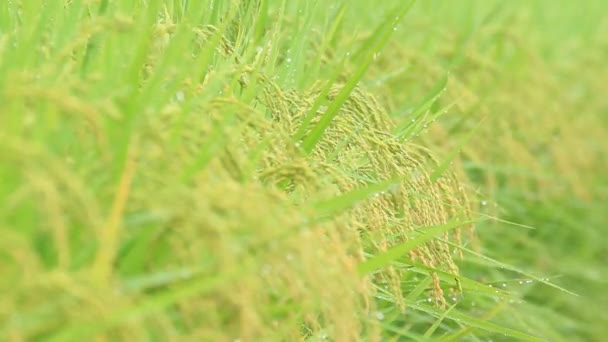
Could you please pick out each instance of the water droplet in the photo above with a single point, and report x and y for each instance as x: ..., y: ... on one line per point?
x: 503, y: 285
x: 288, y: 60
x: 379, y: 315
x: 484, y: 203
x: 179, y: 96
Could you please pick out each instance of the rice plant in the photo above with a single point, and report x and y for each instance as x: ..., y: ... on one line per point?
x: 262, y: 170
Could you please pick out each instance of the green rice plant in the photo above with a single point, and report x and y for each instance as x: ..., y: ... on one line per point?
x: 271, y: 170
x: 146, y: 198
x: 537, y: 155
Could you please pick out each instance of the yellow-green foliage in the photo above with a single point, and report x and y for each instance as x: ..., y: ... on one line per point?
x: 528, y: 80
x: 534, y: 97
x: 232, y: 248
x: 154, y: 185
x: 358, y: 149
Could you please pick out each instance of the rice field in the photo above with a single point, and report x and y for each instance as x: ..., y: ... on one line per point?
x: 273, y: 170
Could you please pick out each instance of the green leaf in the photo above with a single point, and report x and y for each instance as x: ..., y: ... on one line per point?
x: 469, y: 320
x: 416, y: 119
x: 514, y: 269
x: 338, y: 204
x: 370, y: 49
x: 440, y: 319
x: 426, y: 234
x: 403, y: 332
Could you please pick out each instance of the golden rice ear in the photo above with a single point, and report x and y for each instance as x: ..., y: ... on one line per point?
x: 267, y: 251
x: 358, y: 148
